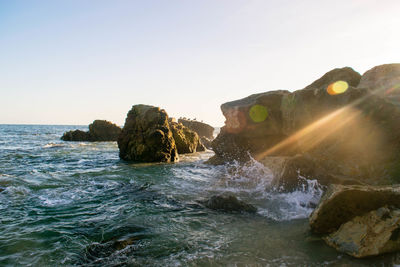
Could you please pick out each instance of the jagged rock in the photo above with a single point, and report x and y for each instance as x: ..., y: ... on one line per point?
x: 76, y: 135
x: 228, y: 202
x: 186, y: 140
x: 348, y: 133
x: 341, y: 203
x: 206, y: 142
x: 146, y: 136
x: 201, y: 128
x: 99, y: 130
x: 372, y: 234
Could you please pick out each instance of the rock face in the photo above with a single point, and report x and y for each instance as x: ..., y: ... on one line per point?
x: 374, y: 233
x: 147, y: 136
x: 341, y: 203
x: 186, y: 140
x: 344, y: 130
x: 229, y: 202
x: 99, y: 130
x: 202, y: 129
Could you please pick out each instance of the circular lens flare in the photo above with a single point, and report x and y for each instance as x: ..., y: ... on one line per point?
x: 337, y: 88
x: 258, y: 113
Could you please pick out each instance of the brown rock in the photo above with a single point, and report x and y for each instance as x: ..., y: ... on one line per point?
x: 146, y: 136
x: 186, y: 140
x: 201, y: 128
x: 341, y: 203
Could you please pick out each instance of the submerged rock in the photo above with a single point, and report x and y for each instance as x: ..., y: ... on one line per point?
x: 186, y: 140
x: 341, y: 203
x: 349, y: 134
x: 147, y: 136
x: 229, y: 202
x: 374, y: 233
x: 201, y: 128
x: 99, y: 130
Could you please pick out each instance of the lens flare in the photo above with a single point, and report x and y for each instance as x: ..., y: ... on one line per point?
x: 337, y: 88
x: 258, y: 113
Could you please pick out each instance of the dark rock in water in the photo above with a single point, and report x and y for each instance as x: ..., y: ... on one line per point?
x: 147, y: 136
x: 201, y: 128
x: 341, y: 203
x: 228, y: 202
x: 76, y: 135
x: 345, y: 131
x: 99, y: 130
x: 372, y: 234
x: 186, y: 140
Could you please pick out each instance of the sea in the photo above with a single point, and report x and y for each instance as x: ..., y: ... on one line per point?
x: 78, y: 204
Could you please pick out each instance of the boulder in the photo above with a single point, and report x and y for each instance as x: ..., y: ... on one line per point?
x: 372, y: 234
x: 76, y: 135
x: 186, y: 140
x: 99, y: 130
x: 349, y: 133
x: 341, y: 203
x: 147, y: 136
x: 229, y: 202
x: 201, y: 128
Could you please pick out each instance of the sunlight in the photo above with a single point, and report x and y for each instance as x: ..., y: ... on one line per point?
x: 337, y: 88
x: 258, y: 113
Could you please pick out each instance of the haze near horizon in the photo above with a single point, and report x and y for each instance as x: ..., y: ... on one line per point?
x: 71, y: 62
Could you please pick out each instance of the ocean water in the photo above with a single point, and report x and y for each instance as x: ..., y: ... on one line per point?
x: 78, y: 204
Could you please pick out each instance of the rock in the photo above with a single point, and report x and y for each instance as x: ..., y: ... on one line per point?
x: 202, y: 129
x: 99, y: 130
x: 341, y: 203
x: 147, y: 136
x: 206, y: 142
x: 349, y: 134
x: 372, y: 234
x: 383, y: 80
x: 186, y: 140
x: 76, y: 135
x: 229, y: 202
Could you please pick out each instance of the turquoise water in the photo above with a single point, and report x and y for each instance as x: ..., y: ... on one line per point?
x: 76, y: 203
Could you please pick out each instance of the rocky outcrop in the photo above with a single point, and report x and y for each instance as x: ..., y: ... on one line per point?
x: 341, y: 203
x: 99, y: 130
x: 372, y: 234
x: 201, y: 128
x: 76, y: 135
x: 186, y: 140
x: 147, y: 136
x: 228, y: 202
x: 349, y: 134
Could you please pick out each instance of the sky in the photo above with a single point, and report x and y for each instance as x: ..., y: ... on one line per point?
x: 74, y: 61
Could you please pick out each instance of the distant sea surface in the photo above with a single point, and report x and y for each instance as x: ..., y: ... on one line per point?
x: 77, y: 204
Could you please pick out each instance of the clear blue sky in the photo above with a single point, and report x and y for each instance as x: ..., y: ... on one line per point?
x: 73, y: 61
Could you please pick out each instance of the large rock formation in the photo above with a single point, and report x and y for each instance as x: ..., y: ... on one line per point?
x: 201, y: 128
x: 147, y: 136
x: 99, y: 130
x: 341, y: 203
x: 374, y: 233
x: 344, y: 130
x: 186, y: 140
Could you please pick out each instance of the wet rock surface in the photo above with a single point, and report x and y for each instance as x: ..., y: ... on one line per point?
x: 228, y: 202
x: 147, y: 136
x: 186, y: 140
